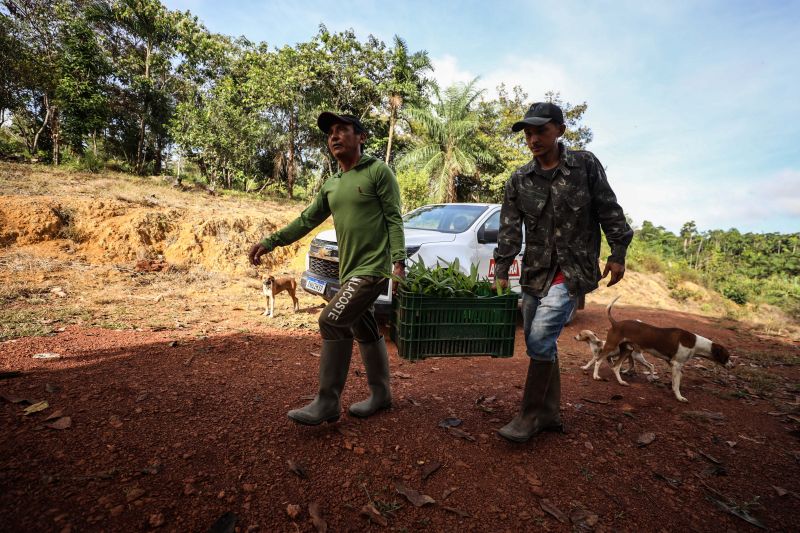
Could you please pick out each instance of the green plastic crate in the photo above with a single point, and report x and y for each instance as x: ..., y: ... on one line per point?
x: 432, y: 326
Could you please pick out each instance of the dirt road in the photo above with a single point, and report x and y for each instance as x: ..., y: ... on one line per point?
x: 172, y: 429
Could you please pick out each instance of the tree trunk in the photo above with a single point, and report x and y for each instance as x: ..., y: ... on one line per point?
x: 139, y: 150
x: 290, y: 160
x: 158, y: 160
x: 393, y: 105
x: 94, y: 142
x: 35, y: 144
x: 55, y: 134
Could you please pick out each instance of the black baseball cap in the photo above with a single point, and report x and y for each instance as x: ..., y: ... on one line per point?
x: 328, y: 119
x: 540, y: 113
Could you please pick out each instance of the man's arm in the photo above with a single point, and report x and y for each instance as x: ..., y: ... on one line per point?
x: 612, y: 220
x: 389, y: 195
x: 311, y: 217
x: 509, y: 238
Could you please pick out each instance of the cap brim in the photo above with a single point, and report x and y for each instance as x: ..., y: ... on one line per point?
x: 532, y: 121
x: 328, y: 119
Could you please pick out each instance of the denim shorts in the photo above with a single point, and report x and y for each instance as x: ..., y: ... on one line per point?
x: 543, y: 319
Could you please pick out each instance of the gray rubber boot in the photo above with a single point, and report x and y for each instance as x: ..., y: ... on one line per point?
x: 376, y: 362
x: 334, y: 363
x: 535, y: 415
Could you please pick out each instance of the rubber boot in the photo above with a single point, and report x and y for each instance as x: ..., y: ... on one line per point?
x: 376, y: 362
x: 334, y: 363
x: 550, y: 419
x: 535, y: 415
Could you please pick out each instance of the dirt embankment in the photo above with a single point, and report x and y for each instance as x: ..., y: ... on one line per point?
x: 125, y: 230
x: 129, y: 253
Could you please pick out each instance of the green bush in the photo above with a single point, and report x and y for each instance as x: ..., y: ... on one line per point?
x: 736, y: 293
x: 414, y: 189
x: 682, y: 294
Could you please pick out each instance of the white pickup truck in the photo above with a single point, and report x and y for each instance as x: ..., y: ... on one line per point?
x: 434, y: 233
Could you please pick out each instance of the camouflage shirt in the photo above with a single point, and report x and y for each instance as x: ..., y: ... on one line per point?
x: 562, y: 213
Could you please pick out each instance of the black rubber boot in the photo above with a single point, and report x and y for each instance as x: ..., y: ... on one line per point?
x: 542, y: 392
x: 550, y: 419
x: 376, y: 362
x: 334, y: 363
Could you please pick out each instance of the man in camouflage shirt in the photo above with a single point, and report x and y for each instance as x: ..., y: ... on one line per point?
x: 562, y: 198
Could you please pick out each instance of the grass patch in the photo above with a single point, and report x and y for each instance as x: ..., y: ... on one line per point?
x: 16, y: 323
x: 761, y: 381
x: 786, y: 358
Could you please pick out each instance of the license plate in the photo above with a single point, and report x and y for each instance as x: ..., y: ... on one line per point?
x: 315, y: 285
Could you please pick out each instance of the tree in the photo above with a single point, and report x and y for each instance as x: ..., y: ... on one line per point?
x: 81, y: 90
x: 444, y: 144
x: 143, y: 37
x: 405, y: 83
x: 38, y: 24
x: 688, y: 233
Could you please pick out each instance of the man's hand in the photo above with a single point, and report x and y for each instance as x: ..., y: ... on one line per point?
x: 399, y: 271
x: 256, y: 251
x: 617, y: 272
x: 502, y: 282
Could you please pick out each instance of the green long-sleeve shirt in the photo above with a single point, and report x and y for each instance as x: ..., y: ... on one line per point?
x: 365, y: 204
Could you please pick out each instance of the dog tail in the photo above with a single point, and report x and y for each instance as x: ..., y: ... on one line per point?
x: 608, y: 310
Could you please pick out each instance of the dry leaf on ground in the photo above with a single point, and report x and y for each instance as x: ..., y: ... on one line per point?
x: 369, y: 511
x: 450, y: 422
x: 297, y: 469
x: 412, y: 495
x: 316, y: 517
x: 645, y: 439
x: 35, y: 408
x: 293, y: 510
x: 462, y: 434
x: 62, y: 423
x: 58, y: 413
x: 430, y: 468
x: 583, y: 518
x: 552, y: 510
x: 459, y: 512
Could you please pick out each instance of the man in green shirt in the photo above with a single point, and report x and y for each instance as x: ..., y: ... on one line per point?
x: 364, y: 199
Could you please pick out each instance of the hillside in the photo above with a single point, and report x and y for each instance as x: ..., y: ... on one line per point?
x: 70, y: 244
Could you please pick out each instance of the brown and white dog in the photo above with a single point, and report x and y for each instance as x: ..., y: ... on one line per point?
x: 272, y: 286
x: 674, y: 345
x: 632, y: 355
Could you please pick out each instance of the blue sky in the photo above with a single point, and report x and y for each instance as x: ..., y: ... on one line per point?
x: 695, y: 106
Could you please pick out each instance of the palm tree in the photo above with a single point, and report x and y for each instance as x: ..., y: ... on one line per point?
x: 445, y: 144
x: 406, y: 82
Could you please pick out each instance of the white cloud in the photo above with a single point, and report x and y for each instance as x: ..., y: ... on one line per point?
x: 784, y: 191
x: 446, y: 71
x: 535, y: 76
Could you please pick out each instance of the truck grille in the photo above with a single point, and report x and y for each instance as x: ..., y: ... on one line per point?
x: 321, y: 267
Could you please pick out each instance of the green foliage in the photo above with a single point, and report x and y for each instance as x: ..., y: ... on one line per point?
x: 445, y: 145
x: 414, y: 189
x: 745, y: 268
x: 447, y: 281
x: 682, y: 294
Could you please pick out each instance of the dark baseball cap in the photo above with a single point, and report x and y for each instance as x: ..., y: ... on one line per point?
x: 328, y: 119
x: 540, y: 113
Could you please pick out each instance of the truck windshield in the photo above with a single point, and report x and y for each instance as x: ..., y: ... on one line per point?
x: 447, y: 218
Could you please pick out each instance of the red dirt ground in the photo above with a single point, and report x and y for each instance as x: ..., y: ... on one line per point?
x: 172, y: 437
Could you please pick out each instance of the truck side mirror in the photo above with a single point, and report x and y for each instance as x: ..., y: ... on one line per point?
x: 487, y: 236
